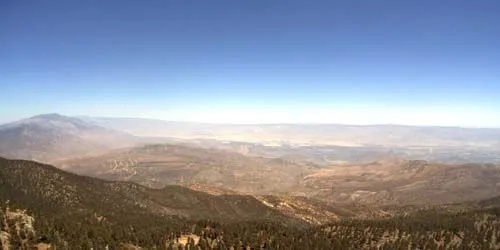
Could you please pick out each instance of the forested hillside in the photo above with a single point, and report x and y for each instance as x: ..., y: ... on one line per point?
x: 48, y: 208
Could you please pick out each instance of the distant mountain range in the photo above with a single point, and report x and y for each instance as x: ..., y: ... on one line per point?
x: 308, y: 134
x: 53, y: 136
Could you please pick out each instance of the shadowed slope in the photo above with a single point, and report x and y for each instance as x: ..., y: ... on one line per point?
x: 35, y: 185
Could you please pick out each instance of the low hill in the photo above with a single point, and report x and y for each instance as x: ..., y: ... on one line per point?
x: 402, y: 182
x: 388, y: 181
x: 166, y: 164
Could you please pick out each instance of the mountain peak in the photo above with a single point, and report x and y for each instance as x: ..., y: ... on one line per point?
x: 49, y: 136
x: 54, y: 121
x: 49, y: 115
x: 55, y: 117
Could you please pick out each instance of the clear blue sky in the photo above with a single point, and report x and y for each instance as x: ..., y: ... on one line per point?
x: 432, y: 62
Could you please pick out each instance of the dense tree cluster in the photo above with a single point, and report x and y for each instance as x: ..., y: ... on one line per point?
x: 425, y: 230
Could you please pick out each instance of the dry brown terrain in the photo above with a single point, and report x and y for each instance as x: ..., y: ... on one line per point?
x: 385, y: 182
x: 160, y: 165
x: 405, y: 182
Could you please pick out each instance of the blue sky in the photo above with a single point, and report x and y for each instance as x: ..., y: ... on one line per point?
x: 366, y: 62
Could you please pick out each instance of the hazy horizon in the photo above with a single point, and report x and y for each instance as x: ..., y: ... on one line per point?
x: 243, y: 123
x: 420, y: 63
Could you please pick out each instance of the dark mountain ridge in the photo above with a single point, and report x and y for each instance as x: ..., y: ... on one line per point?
x: 33, y: 184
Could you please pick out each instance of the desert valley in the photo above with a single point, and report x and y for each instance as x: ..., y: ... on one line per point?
x: 210, y: 180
